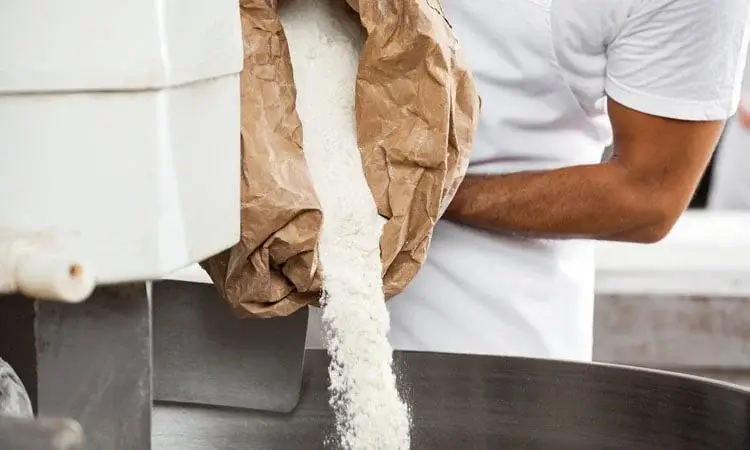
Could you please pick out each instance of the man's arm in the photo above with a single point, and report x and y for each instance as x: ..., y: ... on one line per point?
x: 636, y: 197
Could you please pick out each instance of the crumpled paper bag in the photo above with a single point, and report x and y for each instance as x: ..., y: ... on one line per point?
x: 416, y: 110
x: 273, y: 270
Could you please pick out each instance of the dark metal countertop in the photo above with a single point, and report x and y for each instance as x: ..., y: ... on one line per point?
x: 475, y: 402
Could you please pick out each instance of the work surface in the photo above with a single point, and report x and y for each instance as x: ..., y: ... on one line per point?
x: 474, y: 402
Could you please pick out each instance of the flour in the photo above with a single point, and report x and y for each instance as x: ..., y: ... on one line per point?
x: 324, y: 42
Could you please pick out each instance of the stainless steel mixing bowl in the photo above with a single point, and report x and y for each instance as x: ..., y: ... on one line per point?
x: 478, y: 402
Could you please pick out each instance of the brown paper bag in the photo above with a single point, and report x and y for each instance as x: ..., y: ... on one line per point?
x: 272, y: 271
x: 416, y: 111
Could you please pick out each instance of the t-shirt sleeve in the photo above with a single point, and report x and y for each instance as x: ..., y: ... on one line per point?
x: 681, y: 59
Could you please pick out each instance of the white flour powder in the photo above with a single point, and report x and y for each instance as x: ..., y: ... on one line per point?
x: 324, y: 42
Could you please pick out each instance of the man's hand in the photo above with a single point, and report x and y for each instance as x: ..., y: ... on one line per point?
x: 637, y: 196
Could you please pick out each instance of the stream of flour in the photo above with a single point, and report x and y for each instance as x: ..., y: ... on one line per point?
x: 325, y: 41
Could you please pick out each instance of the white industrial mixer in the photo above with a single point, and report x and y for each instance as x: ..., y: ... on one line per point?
x: 119, y: 163
x: 119, y: 140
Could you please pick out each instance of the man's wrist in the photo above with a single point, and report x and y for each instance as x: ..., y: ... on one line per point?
x: 460, y: 206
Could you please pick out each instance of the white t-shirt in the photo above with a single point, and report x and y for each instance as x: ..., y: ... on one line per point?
x: 543, y: 68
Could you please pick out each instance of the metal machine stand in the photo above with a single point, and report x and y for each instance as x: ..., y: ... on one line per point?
x: 89, y: 361
x: 92, y: 362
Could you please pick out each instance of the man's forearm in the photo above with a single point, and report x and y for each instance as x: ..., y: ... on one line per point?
x: 594, y: 201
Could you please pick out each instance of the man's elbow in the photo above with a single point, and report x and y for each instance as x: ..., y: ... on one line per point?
x: 652, y: 233
x: 654, y: 218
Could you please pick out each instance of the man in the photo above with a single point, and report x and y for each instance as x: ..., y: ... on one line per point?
x: 511, y: 266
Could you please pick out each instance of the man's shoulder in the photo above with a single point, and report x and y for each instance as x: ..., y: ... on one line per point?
x: 608, y: 18
x: 589, y: 21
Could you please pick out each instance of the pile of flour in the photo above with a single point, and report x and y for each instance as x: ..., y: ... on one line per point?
x: 324, y: 41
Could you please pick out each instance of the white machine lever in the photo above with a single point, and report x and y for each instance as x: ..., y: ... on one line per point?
x: 43, y: 271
